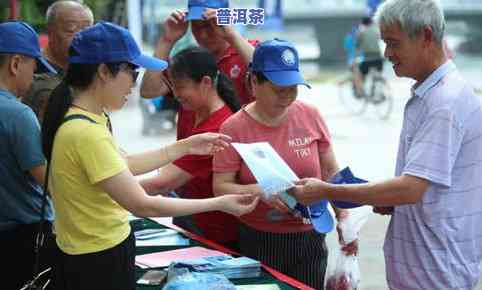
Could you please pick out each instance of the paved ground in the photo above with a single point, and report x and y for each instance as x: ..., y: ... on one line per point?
x: 365, y: 143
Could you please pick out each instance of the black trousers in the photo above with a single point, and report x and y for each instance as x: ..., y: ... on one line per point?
x: 17, y: 252
x: 111, y: 269
x: 302, y: 256
x: 365, y: 66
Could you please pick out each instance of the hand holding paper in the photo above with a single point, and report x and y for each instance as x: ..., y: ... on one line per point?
x: 271, y: 172
x: 275, y: 177
x: 281, y: 185
x: 238, y: 204
x: 277, y: 203
x: 309, y: 190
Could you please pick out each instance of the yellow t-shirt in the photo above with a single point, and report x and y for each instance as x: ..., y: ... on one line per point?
x: 87, y: 219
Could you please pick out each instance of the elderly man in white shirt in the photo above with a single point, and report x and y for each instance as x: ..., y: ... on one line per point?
x: 434, y: 240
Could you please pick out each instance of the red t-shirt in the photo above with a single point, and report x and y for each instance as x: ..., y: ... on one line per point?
x: 216, y: 226
x: 185, y: 122
x: 299, y: 140
x: 231, y: 64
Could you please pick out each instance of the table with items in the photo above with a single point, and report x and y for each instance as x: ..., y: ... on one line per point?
x: 168, y: 257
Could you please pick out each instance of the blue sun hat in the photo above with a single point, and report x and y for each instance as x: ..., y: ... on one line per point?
x: 17, y: 37
x: 278, y: 60
x: 196, y: 7
x: 318, y: 213
x: 109, y: 43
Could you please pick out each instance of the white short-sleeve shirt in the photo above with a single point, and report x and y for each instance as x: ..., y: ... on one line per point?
x: 437, y: 242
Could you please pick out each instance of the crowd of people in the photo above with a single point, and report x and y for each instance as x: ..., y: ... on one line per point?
x: 65, y: 178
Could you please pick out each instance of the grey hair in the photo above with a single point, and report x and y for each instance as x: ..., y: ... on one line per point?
x: 53, y: 9
x: 413, y: 16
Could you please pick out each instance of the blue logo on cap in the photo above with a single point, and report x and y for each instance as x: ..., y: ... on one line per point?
x: 278, y: 60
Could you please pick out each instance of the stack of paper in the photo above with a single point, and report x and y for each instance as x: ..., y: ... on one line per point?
x: 159, y: 237
x: 164, y: 259
x: 231, y: 268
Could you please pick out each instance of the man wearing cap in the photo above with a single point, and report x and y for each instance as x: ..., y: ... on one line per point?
x: 22, y: 167
x: 64, y: 19
x: 271, y: 233
x: 434, y: 239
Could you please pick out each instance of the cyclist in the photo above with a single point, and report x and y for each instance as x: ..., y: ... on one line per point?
x: 367, y: 44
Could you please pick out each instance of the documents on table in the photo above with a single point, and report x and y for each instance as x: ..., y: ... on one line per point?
x: 164, y: 259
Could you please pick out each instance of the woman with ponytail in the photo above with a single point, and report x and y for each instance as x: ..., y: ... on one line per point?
x: 92, y: 185
x: 200, y: 87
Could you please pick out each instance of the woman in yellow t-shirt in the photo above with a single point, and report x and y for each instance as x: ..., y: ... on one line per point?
x: 92, y: 184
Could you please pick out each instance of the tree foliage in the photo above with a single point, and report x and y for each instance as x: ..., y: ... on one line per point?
x: 33, y: 11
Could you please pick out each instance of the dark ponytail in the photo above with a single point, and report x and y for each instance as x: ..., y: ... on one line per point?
x: 58, y: 103
x: 226, y: 91
x: 194, y: 63
x: 78, y: 76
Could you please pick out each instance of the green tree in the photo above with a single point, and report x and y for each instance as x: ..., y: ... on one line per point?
x: 33, y: 11
x: 29, y: 12
x: 100, y: 8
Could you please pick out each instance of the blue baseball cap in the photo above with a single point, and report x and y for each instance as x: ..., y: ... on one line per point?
x: 17, y: 37
x: 319, y: 215
x: 109, y: 43
x: 321, y: 218
x: 196, y: 7
x: 278, y: 60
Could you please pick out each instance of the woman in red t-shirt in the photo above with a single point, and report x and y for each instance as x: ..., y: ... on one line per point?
x: 202, y: 88
x: 297, y: 132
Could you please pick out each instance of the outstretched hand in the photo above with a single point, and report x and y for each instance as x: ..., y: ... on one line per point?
x: 309, y: 190
x: 207, y: 143
x: 277, y: 203
x: 239, y: 204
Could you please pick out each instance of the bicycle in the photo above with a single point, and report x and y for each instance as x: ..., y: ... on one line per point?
x: 375, y: 92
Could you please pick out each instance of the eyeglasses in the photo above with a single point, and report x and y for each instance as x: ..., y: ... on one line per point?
x: 131, y: 69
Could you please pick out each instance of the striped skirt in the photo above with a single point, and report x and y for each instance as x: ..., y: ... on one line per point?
x: 302, y: 256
